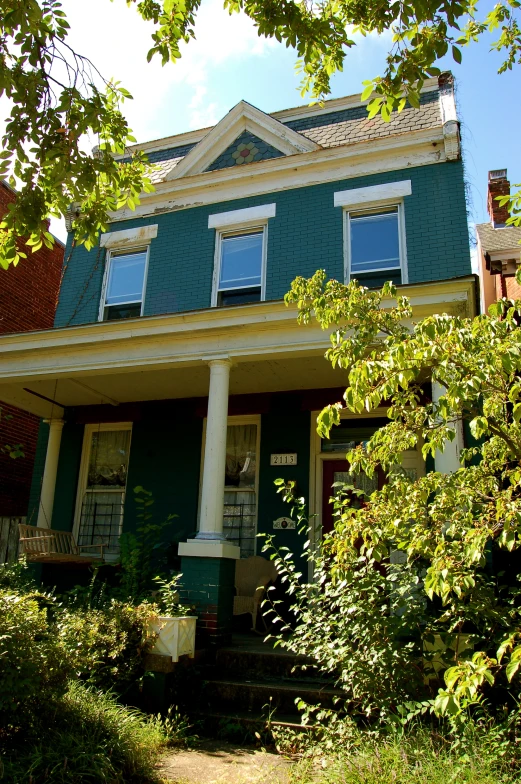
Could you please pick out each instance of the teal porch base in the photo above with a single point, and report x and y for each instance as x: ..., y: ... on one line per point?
x: 208, y: 587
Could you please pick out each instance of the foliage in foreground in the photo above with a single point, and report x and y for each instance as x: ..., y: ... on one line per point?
x: 418, y: 758
x: 56, y: 725
x: 419, y: 607
x: 83, y: 735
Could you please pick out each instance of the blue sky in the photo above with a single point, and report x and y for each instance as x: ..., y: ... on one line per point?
x: 229, y: 62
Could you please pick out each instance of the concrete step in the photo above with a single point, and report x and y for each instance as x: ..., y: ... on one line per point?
x: 216, y: 720
x: 233, y: 693
x: 274, y: 663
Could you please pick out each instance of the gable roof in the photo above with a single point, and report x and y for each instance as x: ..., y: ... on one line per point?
x: 243, y: 117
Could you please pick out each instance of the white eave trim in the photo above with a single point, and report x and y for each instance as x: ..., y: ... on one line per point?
x: 390, y: 191
x: 222, y: 220
x: 143, y: 235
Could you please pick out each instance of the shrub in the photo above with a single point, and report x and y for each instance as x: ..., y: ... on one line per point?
x: 34, y: 664
x: 84, y: 735
x: 106, y: 645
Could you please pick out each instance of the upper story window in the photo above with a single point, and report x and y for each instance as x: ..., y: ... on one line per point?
x: 241, y: 263
x: 374, y: 241
x: 124, y: 283
x: 240, y: 254
x: 125, y: 279
x: 374, y: 233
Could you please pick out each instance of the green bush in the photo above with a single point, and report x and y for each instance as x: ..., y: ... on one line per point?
x: 84, y: 736
x: 106, y: 645
x: 34, y: 664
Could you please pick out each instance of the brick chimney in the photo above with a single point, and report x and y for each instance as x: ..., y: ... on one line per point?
x: 498, y: 185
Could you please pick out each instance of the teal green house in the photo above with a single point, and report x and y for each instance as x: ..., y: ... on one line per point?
x: 174, y: 364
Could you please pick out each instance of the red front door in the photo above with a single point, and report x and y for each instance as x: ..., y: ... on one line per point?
x: 334, y: 471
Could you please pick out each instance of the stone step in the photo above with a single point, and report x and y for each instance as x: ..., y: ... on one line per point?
x: 261, y: 696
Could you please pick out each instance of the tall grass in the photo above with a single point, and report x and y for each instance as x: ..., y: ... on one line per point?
x: 414, y: 760
x: 84, y: 736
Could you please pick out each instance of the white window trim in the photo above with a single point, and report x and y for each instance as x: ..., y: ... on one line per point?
x: 233, y: 231
x: 239, y: 218
x: 373, y: 194
x: 249, y: 419
x: 142, y: 235
x: 402, y: 246
x: 84, y: 464
x: 119, y: 251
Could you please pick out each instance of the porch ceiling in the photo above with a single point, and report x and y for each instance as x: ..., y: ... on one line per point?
x: 270, y: 375
x: 165, y: 357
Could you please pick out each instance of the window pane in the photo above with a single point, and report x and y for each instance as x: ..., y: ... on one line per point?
x: 113, y: 312
x: 239, y: 296
x: 374, y: 242
x: 125, y: 283
x: 241, y: 261
x: 108, y: 459
x: 241, y: 443
x: 102, y: 519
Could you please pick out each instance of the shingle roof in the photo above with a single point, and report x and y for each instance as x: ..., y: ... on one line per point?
x: 495, y: 240
x: 352, y: 125
x: 332, y: 129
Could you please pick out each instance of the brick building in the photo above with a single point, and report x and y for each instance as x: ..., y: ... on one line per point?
x: 499, y: 252
x: 28, y: 298
x: 173, y: 362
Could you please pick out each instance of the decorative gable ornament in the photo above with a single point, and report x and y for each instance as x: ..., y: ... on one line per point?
x: 243, y: 117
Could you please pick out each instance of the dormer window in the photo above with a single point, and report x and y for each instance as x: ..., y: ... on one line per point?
x: 240, y: 267
x: 125, y: 280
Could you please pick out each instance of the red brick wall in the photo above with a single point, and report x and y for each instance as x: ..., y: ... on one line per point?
x: 28, y: 298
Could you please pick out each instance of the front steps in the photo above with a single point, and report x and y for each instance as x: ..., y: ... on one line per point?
x: 252, y: 682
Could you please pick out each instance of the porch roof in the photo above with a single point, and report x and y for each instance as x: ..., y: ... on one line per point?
x: 165, y: 357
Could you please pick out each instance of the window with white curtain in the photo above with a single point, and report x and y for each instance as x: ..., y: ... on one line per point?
x: 240, y: 486
x: 103, y: 482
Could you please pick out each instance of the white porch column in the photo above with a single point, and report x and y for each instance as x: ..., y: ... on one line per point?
x: 212, y: 494
x: 209, y: 540
x: 49, y: 473
x: 449, y: 460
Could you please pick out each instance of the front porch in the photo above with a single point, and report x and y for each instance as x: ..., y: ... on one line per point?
x: 204, y: 410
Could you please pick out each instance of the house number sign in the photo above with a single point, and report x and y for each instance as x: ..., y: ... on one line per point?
x: 286, y: 458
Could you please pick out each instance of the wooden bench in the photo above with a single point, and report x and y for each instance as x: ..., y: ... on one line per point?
x: 46, y: 545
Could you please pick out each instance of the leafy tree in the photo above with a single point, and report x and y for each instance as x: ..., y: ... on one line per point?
x: 59, y: 98
x: 459, y: 534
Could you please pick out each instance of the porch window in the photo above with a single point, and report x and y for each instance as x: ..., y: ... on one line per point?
x: 124, y: 285
x: 374, y: 245
x: 240, y: 263
x: 103, y: 481
x: 240, y: 491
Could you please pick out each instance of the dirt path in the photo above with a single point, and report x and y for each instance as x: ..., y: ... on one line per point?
x: 218, y: 762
